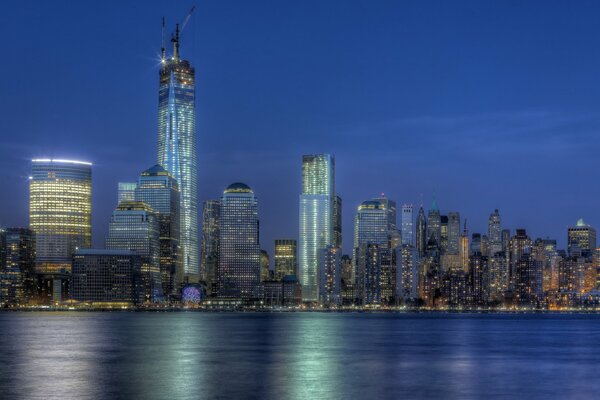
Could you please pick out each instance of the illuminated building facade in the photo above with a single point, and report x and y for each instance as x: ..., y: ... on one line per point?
x: 158, y: 189
x: 285, y: 258
x: 453, y: 244
x: 18, y: 266
x: 210, y: 244
x: 106, y: 277
x: 434, y: 224
x: 495, y: 233
x: 60, y: 215
x: 239, y: 246
x: 581, y: 238
x: 126, y: 191
x: 421, y: 232
x: 407, y: 224
x: 330, y: 281
x: 337, y: 221
x: 407, y: 271
x: 177, y: 148
x: 134, y: 226
x: 316, y: 227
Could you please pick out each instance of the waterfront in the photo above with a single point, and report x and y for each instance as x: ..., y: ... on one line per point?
x: 297, y: 355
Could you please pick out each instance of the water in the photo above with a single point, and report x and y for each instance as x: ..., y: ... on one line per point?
x: 190, y: 355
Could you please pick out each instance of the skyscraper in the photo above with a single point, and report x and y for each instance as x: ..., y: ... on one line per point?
x: 134, y: 226
x: 239, y: 246
x: 17, y: 266
x: 158, y: 189
x: 453, y: 233
x: 177, y: 146
x: 495, y: 233
x: 126, y: 191
x: 316, y: 209
x: 390, y: 208
x: 60, y: 215
x: 583, y: 237
x: 337, y: 221
x: 407, y: 224
x: 372, y: 224
x: 285, y: 258
x: 434, y: 224
x: 330, y: 281
x: 421, y: 232
x: 210, y: 243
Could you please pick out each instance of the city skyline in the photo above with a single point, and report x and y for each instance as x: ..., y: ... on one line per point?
x: 545, y: 211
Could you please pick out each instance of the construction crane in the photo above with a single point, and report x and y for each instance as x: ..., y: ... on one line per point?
x: 175, y: 38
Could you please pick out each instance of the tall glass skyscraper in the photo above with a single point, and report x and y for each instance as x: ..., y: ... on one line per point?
x: 210, y: 243
x: 407, y: 224
x: 158, y: 189
x: 495, y: 233
x: 60, y: 211
x: 177, y: 147
x: 316, y: 219
x: 134, y: 226
x: 239, y: 247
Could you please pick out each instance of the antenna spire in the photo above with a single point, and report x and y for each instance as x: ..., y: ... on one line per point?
x: 175, y: 40
x: 162, y: 34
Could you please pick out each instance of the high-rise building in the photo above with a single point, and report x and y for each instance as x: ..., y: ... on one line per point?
x: 495, y: 233
x: 126, y: 191
x: 421, y: 233
x: 368, y: 273
x: 372, y: 224
x: 464, y: 249
x: 330, y: 281
x: 158, y: 189
x: 60, y: 215
x: 285, y: 258
x: 134, y: 226
x: 210, y: 244
x: 434, y: 224
x: 519, y: 245
x: 177, y: 147
x: 390, y: 208
x: 443, y: 234
x: 478, y: 264
x: 265, y: 272
x: 581, y: 237
x: 337, y: 221
x: 453, y: 233
x: 316, y: 209
x: 407, y: 224
x: 407, y: 273
x: 17, y: 266
x: 498, y: 275
x: 108, y: 278
x: 239, y: 246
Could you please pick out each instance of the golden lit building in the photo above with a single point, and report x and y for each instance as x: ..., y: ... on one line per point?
x: 60, y: 215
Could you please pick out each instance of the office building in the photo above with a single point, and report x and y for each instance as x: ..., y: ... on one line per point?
x: 316, y: 210
x: 177, y: 147
x: 107, y: 278
x: 134, y: 226
x: 337, y: 221
x: 407, y: 224
x: 495, y: 233
x: 581, y: 238
x: 330, y: 281
x: 285, y: 258
x: 158, y: 189
x: 239, y: 247
x: 210, y: 244
x: 60, y: 215
x: 126, y: 191
x: 421, y: 232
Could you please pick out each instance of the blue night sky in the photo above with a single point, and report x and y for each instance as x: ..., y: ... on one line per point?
x: 488, y: 104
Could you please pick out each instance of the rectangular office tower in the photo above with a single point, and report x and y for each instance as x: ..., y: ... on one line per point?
x: 285, y: 258
x: 407, y: 224
x: 316, y: 219
x: 106, y: 278
x: 210, y: 244
x: 17, y: 266
x: 158, y: 189
x: 177, y: 147
x: 60, y: 215
x: 239, y: 251
x: 134, y: 226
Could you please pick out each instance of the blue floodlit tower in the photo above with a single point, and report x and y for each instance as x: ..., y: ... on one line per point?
x: 177, y: 146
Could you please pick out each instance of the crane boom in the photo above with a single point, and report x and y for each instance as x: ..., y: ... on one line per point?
x: 187, y: 18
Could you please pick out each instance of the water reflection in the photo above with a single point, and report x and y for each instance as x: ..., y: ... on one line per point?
x: 296, y: 356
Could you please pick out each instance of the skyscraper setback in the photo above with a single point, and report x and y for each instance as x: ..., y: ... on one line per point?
x: 177, y: 146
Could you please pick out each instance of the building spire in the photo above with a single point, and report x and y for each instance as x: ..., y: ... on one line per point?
x: 162, y: 34
x: 175, y: 41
